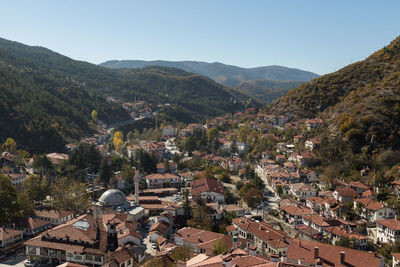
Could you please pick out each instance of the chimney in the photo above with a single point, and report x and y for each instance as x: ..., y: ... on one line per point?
x: 342, y: 257
x: 235, y: 242
x: 181, y: 263
x: 199, y: 239
x: 316, y: 252
x: 284, y: 239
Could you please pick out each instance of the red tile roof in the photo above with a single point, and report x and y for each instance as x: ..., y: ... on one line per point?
x: 206, y: 185
x: 393, y: 224
x: 329, y: 255
x: 9, y: 233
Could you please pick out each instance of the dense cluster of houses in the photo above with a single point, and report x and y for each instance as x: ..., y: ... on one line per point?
x: 111, y: 232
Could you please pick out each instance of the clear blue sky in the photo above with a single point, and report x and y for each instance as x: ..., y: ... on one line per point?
x: 319, y: 36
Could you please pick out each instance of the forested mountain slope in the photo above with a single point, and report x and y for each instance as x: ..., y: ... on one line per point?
x: 46, y: 98
x: 361, y: 102
x: 265, y: 83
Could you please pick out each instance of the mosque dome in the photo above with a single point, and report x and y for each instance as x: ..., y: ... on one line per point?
x: 112, y: 197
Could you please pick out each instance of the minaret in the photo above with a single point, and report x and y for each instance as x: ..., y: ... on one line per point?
x: 137, y: 175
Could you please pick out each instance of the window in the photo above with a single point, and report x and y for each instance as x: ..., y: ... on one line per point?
x: 31, y: 250
x: 89, y: 257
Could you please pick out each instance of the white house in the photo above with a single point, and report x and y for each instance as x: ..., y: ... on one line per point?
x: 303, y: 191
x: 372, y: 210
x: 210, y: 190
x: 388, y: 231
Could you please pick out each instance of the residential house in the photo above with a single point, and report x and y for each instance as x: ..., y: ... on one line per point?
x: 314, y: 123
x: 345, y: 194
x: 294, y: 214
x: 55, y: 216
x: 313, y: 253
x: 236, y: 163
x: 201, y: 241
x: 131, y: 150
x: 9, y: 238
x: 31, y: 226
x: 160, y: 228
x: 262, y: 235
x: 57, y: 158
x: 309, y: 176
x: 334, y: 233
x: 388, y: 231
x: 236, y: 210
x: 209, y: 189
x: 159, y: 180
x: 84, y: 240
x: 312, y: 144
x: 17, y: 178
x: 359, y: 187
x: 372, y: 210
x: 396, y: 260
x: 120, y: 258
x: 303, y: 191
x: 169, y: 131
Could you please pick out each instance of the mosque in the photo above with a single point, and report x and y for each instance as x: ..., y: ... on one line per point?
x: 115, y: 202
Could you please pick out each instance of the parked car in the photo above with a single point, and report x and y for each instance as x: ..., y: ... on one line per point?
x: 28, y: 263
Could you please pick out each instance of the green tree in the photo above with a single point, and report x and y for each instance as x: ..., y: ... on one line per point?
x: 225, y: 177
x: 105, y: 172
x: 180, y: 253
x: 343, y: 242
x: 219, y: 247
x: 69, y: 195
x: 229, y: 197
x: 35, y: 187
x: 200, y: 219
x: 8, y: 200
x: 279, y: 190
x: 186, y: 205
x: 85, y: 156
x: 43, y: 164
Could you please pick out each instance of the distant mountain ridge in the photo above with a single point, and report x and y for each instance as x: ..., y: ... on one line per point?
x: 230, y: 75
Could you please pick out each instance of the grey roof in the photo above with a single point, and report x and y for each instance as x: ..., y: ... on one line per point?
x: 112, y: 197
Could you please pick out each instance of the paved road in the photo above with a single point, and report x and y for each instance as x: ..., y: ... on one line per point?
x: 19, y: 261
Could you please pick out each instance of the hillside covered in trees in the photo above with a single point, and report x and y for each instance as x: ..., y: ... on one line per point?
x: 266, y: 83
x: 47, y: 99
x: 360, y: 103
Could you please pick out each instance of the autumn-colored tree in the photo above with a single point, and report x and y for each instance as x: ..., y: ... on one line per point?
x: 212, y: 134
x: 243, y: 133
x: 94, y: 115
x: 9, y: 145
x: 118, y: 140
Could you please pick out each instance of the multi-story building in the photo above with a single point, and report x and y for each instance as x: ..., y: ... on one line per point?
x: 388, y: 231
x: 263, y: 236
x: 209, y: 189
